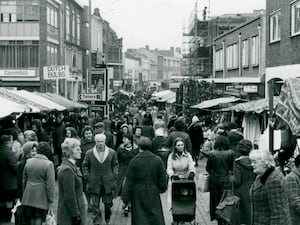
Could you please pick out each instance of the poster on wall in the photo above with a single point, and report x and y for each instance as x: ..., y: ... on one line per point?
x: 98, y: 83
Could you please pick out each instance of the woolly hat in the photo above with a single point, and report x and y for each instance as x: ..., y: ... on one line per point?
x: 27, y: 147
x: 124, y: 125
x: 234, y: 137
x: 179, y: 124
x: 195, y: 119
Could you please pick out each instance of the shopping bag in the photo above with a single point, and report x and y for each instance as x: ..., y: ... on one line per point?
x: 228, y: 208
x: 203, y: 182
x: 50, y: 219
x: 18, y: 216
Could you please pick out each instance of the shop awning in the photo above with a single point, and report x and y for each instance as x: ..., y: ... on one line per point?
x: 217, y: 102
x: 31, y: 106
x: 122, y: 92
x: 62, y: 100
x: 50, y: 105
x: 9, y: 107
x: 257, y: 106
x: 164, y: 96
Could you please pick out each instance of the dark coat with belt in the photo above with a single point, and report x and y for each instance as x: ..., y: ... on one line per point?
x: 100, y: 173
x: 70, y: 196
x: 8, y: 174
x: 293, y: 183
x: 219, y: 164
x: 124, y: 157
x: 243, y: 178
x: 269, y: 199
x: 146, y: 179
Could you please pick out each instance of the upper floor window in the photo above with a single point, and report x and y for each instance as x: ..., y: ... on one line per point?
x: 295, y: 18
x: 52, y: 16
x: 232, y: 56
x: 67, y: 23
x: 78, y: 29
x: 245, y: 53
x: 255, y: 51
x: 219, y: 58
x: 275, y: 26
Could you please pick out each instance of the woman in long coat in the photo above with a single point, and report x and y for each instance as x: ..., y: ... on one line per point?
x: 39, y: 184
x: 219, y: 164
x: 71, y: 209
x: 146, y: 179
x: 243, y: 178
x: 268, y: 193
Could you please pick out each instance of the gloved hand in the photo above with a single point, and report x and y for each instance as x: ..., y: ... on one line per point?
x: 174, y: 177
x: 191, y: 176
x: 76, y: 220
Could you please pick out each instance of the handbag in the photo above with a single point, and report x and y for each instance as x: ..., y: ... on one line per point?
x: 203, y: 182
x: 228, y: 207
x: 50, y: 219
x: 18, y: 217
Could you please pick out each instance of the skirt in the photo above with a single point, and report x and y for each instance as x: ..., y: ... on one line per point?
x: 32, y: 212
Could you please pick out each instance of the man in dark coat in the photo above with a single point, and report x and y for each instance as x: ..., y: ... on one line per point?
x: 196, y: 136
x: 100, y: 128
x: 100, y: 168
x: 146, y: 179
x: 59, y: 134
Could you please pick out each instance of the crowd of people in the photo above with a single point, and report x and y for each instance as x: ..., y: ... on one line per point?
x: 135, y: 158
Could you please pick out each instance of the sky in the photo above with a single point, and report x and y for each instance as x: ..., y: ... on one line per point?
x: 160, y: 23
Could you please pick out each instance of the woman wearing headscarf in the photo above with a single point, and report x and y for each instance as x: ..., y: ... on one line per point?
x: 219, y: 166
x: 196, y: 136
x: 72, y: 205
x: 29, y: 150
x: 146, y: 179
x: 268, y: 193
x: 243, y: 177
x: 38, y: 184
x: 125, y: 153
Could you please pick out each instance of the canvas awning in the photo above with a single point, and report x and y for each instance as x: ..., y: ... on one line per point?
x: 164, y: 96
x: 62, y: 100
x: 50, y: 105
x: 9, y: 107
x: 30, y: 105
x: 257, y: 106
x: 217, y: 102
x: 122, y: 92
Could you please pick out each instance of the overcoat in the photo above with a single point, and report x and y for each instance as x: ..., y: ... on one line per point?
x: 8, y: 174
x: 39, y: 182
x: 219, y: 164
x: 71, y: 200
x: 243, y: 177
x: 146, y: 179
x: 293, y: 183
x: 100, y: 173
x: 269, y: 199
x: 124, y: 157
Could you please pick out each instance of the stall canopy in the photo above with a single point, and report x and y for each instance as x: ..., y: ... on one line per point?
x: 288, y: 106
x: 122, y: 92
x: 256, y: 106
x: 50, y: 105
x: 10, y: 107
x: 30, y: 105
x: 62, y: 100
x: 164, y: 96
x: 215, y: 103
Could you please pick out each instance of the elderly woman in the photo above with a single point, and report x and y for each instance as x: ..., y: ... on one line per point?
x: 219, y: 166
x: 268, y: 193
x: 293, y: 182
x: 146, y: 179
x: 71, y: 200
x: 39, y: 184
x: 243, y: 178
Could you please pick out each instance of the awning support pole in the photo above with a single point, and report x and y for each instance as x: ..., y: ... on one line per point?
x: 270, y: 124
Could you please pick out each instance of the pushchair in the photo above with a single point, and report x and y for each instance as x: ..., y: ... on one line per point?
x: 183, y: 201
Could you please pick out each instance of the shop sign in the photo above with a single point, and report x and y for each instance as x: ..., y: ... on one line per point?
x: 56, y: 72
x: 117, y: 83
x: 17, y: 73
x: 250, y: 89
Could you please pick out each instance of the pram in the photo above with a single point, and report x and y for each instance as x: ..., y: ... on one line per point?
x: 183, y: 201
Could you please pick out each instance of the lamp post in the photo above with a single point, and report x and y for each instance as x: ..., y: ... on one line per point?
x: 89, y: 80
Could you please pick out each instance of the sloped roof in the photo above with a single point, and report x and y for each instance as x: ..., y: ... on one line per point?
x: 164, y: 96
x: 215, y: 102
x: 9, y: 107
